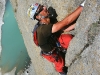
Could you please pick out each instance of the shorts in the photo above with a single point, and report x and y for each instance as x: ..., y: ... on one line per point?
x: 64, y: 41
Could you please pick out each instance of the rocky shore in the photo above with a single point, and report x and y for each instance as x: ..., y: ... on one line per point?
x: 2, y: 9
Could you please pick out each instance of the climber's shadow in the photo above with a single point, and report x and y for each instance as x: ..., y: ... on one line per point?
x: 52, y: 14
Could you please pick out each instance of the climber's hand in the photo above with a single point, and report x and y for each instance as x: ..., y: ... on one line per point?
x: 82, y: 4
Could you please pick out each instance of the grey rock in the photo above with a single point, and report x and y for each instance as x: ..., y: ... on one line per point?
x: 83, y: 55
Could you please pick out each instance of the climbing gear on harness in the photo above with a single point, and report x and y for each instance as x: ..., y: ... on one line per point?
x: 82, y: 4
x: 33, y: 10
x: 51, y: 53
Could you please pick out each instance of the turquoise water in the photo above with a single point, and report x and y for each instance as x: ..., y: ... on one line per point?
x: 14, y: 52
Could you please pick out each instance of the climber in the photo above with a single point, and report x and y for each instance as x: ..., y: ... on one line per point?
x: 52, y: 44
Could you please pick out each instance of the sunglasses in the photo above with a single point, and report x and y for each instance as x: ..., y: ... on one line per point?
x: 40, y: 8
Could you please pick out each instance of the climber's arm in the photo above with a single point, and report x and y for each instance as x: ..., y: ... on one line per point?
x: 68, y: 19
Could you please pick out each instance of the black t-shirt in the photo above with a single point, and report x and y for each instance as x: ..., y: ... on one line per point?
x: 44, y: 33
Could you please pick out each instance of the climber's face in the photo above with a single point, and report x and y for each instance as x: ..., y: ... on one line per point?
x: 42, y: 8
x: 43, y: 15
x: 42, y: 12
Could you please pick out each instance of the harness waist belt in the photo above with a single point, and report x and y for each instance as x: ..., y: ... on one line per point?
x: 48, y: 53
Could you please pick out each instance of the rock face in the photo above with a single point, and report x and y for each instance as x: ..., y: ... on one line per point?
x: 83, y: 54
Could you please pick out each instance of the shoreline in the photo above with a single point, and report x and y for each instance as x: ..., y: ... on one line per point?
x: 2, y: 12
x: 2, y: 8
